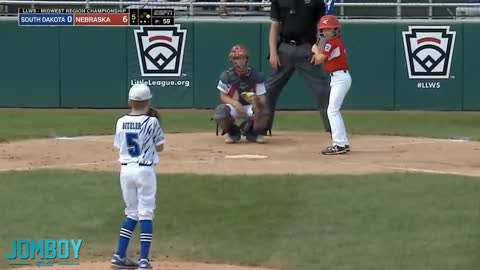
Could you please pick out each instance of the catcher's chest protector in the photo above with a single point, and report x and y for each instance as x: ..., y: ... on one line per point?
x: 239, y: 84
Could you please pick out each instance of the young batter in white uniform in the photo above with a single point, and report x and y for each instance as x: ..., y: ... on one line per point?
x: 333, y: 55
x: 138, y: 137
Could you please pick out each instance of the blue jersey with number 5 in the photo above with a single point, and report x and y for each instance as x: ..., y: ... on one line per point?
x: 136, y: 137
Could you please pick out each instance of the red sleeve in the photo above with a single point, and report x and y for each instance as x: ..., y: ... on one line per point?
x: 329, y: 48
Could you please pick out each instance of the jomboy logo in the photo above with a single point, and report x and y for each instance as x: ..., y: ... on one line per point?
x: 44, y: 252
x: 160, y: 50
x: 428, y: 51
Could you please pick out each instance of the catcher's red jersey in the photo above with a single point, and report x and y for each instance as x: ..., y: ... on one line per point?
x: 336, y: 55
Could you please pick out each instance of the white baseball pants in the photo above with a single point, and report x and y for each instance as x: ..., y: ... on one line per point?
x: 340, y: 84
x: 139, y: 188
x: 235, y: 114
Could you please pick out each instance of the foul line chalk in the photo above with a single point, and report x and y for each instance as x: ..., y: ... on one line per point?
x: 421, y: 170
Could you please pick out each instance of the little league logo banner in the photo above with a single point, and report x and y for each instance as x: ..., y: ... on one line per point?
x: 428, y: 51
x: 160, y: 50
x: 162, y: 58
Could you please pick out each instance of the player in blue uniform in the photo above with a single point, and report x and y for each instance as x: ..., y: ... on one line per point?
x: 139, y: 138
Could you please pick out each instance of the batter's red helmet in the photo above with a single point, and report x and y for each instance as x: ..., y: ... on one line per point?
x: 328, y: 22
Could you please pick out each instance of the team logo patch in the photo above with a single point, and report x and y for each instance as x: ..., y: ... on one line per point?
x: 160, y: 50
x: 428, y: 51
x: 328, y: 46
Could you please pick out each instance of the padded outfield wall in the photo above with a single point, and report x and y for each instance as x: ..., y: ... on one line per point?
x: 430, y: 65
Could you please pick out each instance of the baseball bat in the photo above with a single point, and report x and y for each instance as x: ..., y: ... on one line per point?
x: 329, y: 4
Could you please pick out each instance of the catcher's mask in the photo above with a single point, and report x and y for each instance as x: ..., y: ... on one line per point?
x: 328, y: 26
x: 239, y: 58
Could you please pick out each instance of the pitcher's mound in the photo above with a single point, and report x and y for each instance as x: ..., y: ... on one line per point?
x: 156, y: 265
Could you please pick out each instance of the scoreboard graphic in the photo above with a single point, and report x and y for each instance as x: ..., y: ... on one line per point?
x: 95, y: 17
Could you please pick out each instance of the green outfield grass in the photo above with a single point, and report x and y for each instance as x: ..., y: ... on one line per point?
x: 23, y: 124
x: 377, y: 222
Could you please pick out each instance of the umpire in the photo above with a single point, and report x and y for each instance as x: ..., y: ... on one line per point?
x: 293, y: 31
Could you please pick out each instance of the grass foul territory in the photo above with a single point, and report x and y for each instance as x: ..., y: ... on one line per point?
x: 378, y: 222
x: 27, y: 123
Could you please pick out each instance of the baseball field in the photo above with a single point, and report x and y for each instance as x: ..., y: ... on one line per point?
x: 405, y: 197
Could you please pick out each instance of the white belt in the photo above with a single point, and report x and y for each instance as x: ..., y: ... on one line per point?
x: 137, y: 164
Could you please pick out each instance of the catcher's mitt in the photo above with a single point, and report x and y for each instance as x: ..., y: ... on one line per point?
x: 261, y: 112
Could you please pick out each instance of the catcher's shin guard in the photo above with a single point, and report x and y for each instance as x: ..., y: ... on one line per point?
x: 252, y: 136
x: 248, y: 131
x: 261, y: 112
x: 246, y: 126
x: 234, y: 133
x: 223, y: 118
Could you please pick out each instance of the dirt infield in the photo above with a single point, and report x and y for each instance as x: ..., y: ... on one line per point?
x: 285, y: 153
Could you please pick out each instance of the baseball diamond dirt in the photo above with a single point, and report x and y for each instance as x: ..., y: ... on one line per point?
x: 286, y: 153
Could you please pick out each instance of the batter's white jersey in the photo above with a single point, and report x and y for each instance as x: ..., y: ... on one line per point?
x: 136, y: 137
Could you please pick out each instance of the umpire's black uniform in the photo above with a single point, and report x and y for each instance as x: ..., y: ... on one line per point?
x: 297, y: 21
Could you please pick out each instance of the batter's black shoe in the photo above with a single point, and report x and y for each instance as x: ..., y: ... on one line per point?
x: 347, y: 148
x: 334, y: 150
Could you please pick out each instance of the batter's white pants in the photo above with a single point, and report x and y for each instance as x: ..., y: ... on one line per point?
x: 235, y: 114
x: 340, y: 84
x: 139, y: 188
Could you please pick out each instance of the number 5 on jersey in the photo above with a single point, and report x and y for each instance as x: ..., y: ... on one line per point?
x: 132, y: 144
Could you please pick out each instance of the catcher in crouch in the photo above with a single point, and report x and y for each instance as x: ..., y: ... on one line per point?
x: 242, y: 92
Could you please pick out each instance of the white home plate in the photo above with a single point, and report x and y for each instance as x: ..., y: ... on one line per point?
x: 247, y: 156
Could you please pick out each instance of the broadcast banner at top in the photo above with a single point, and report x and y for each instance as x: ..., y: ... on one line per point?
x: 95, y: 17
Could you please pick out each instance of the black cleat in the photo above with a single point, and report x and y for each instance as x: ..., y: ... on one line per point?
x: 334, y: 150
